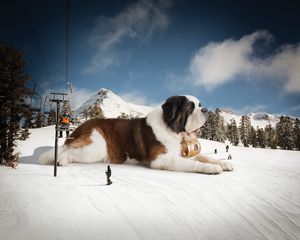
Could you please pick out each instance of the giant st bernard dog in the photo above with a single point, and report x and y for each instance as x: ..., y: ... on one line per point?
x: 154, y: 141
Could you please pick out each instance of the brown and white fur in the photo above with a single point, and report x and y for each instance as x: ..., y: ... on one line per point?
x: 153, y: 141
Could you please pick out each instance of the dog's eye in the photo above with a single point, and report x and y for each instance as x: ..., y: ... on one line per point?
x: 191, y: 108
x: 200, y: 104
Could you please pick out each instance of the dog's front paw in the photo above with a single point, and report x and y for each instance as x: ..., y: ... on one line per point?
x: 226, y: 166
x: 212, y: 169
x: 62, y: 163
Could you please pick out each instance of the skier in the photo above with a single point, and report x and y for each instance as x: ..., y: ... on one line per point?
x: 65, y: 121
x: 227, y: 148
x: 229, y: 157
x: 108, y: 174
x: 216, y: 151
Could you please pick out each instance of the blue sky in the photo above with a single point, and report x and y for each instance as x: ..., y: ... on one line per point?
x: 239, y: 55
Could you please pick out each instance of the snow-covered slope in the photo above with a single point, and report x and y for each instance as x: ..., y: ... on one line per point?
x: 112, y: 105
x: 258, y: 200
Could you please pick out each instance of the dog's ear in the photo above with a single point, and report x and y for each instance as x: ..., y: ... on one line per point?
x: 176, y: 110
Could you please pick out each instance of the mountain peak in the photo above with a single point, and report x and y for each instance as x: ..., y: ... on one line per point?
x: 102, y: 91
x: 113, y: 106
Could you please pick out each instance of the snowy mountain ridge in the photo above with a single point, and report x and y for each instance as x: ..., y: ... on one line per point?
x: 260, y: 119
x: 113, y: 106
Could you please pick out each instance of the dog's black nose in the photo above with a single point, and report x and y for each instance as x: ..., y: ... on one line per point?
x: 204, y: 110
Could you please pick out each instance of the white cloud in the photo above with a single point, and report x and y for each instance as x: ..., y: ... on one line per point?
x: 81, y: 95
x: 137, y: 97
x: 221, y: 62
x: 138, y: 21
x: 285, y: 67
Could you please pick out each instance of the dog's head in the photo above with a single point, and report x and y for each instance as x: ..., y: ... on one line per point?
x: 184, y: 113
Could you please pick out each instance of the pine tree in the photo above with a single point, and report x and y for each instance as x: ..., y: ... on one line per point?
x: 220, y: 126
x: 24, y: 134
x: 253, y: 137
x: 67, y: 107
x: 12, y: 100
x: 28, y: 119
x: 204, y: 131
x: 271, y: 140
x: 285, y: 134
x: 40, y: 120
x: 209, y: 129
x: 297, y: 133
x: 27, y: 123
x: 51, y: 120
x: 124, y: 116
x: 245, y: 127
x: 261, y: 137
x: 233, y: 132
x: 228, y: 132
x: 213, y: 126
x: 95, y: 111
x: 289, y: 133
x: 85, y: 113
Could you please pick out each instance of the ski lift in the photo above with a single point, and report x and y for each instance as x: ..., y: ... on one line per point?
x: 35, y: 101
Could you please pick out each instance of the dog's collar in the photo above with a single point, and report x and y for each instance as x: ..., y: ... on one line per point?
x: 190, y: 145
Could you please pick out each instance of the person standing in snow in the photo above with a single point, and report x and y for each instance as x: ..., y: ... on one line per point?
x: 227, y: 148
x: 65, y: 121
x: 108, y: 175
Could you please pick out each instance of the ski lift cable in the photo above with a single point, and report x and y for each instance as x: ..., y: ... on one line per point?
x: 67, y: 43
x: 71, y: 96
x: 42, y: 57
x: 68, y: 82
x: 41, y: 54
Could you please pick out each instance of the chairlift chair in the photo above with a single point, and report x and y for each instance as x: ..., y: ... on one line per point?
x: 35, y: 101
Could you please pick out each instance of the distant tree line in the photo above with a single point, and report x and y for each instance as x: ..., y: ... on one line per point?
x: 95, y: 111
x: 285, y: 134
x: 39, y: 119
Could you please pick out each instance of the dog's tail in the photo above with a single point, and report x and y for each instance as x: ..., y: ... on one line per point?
x: 47, y: 158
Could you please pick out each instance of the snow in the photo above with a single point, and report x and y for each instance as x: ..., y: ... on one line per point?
x: 260, y: 199
x: 259, y: 120
x: 112, y: 105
